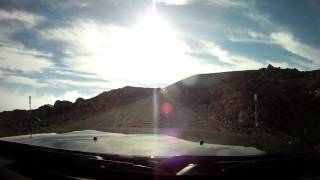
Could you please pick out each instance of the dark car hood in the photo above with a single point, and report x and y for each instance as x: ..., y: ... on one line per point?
x: 152, y: 145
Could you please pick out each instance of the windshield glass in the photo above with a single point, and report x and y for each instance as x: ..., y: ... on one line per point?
x: 161, y: 77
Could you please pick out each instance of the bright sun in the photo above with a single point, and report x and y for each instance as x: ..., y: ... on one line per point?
x: 152, y: 50
x: 148, y: 53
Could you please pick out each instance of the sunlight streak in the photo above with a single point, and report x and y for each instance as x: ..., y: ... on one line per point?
x: 155, y: 111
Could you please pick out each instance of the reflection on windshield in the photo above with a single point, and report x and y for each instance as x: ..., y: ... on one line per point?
x: 150, y: 145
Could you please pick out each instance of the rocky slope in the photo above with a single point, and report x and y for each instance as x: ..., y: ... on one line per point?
x: 288, y: 105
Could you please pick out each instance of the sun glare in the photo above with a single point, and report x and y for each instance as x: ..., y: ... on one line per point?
x: 151, y: 48
x: 150, y: 52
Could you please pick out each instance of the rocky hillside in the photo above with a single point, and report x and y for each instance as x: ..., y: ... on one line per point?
x: 288, y: 104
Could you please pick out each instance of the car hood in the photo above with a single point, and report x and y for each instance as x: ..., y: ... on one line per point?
x: 152, y: 145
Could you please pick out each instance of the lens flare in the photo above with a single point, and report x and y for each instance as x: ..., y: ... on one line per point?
x: 166, y: 109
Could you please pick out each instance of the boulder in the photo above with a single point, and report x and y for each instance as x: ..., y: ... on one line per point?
x: 45, y: 109
x: 61, y: 105
x: 80, y: 102
x: 317, y: 93
x: 270, y: 67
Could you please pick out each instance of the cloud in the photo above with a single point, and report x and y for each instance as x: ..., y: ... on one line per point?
x: 14, y: 21
x: 277, y: 34
x: 83, y: 84
x: 174, y: 2
x: 147, y: 53
x: 15, y: 100
x: 28, y: 19
x: 13, y: 54
x: 23, y: 59
x: 230, y: 3
x: 248, y: 36
x: 70, y: 4
x: 283, y: 39
x: 260, y: 18
x: 236, y: 62
x: 222, y: 3
x: 290, y: 43
x: 67, y: 72
x: 23, y: 80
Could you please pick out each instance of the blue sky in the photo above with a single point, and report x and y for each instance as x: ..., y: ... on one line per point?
x: 78, y: 48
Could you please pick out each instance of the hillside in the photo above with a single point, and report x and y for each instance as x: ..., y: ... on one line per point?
x: 288, y: 106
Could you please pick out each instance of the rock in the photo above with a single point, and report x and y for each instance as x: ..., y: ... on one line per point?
x: 62, y: 105
x: 80, y: 102
x: 45, y: 109
x: 317, y: 93
x: 270, y: 67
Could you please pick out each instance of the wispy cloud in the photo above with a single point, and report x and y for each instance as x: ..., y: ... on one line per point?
x: 83, y: 84
x: 28, y: 19
x: 283, y: 39
x: 260, y: 18
x: 290, y: 43
x: 23, y: 59
x: 235, y: 62
x: 277, y: 34
x: 66, y: 72
x: 70, y: 4
x: 23, y: 81
x: 248, y: 36
x: 13, y: 54
x: 221, y: 3
x: 174, y: 2
x: 230, y: 3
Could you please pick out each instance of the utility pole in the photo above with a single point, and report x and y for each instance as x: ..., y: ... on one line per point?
x: 255, y: 97
x: 29, y: 103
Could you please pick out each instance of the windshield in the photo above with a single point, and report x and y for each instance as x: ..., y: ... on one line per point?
x: 161, y: 77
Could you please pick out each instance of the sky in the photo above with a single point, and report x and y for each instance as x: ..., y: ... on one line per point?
x: 62, y: 50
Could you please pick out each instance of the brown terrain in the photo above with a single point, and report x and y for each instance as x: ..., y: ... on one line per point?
x: 217, y: 105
